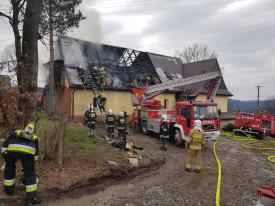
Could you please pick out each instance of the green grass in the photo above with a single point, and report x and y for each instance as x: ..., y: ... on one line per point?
x: 77, y: 135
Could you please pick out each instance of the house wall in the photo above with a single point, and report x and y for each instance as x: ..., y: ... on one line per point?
x: 222, y: 101
x: 225, y: 122
x: 115, y: 101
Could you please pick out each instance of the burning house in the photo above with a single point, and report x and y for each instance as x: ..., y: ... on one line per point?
x: 125, y: 69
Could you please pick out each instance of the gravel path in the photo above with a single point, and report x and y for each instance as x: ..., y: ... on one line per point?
x: 243, y: 172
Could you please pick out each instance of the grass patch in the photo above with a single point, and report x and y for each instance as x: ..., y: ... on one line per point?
x: 77, y: 135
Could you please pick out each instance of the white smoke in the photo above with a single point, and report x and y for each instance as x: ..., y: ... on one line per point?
x: 90, y: 29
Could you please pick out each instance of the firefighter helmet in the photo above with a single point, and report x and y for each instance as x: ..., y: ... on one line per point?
x: 164, y: 117
x: 29, y: 130
x: 110, y: 111
x: 198, y: 124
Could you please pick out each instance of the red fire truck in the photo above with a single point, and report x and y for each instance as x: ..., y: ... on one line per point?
x: 147, y: 115
x: 255, y: 124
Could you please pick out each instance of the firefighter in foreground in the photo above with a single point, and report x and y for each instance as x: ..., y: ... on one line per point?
x: 122, y: 128
x: 22, y: 145
x: 164, y: 133
x: 195, y: 145
x: 110, y: 123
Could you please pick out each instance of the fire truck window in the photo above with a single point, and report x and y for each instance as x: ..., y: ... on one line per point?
x: 186, y: 115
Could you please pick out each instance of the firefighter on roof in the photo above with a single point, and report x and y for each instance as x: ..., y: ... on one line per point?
x: 21, y: 145
x: 195, y: 145
x: 101, y: 79
x: 110, y: 122
x: 164, y: 133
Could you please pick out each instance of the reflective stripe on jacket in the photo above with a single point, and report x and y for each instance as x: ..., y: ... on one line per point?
x: 19, y: 142
x: 196, y: 139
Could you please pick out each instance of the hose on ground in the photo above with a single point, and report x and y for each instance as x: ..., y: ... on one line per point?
x: 218, y: 188
x: 252, y: 143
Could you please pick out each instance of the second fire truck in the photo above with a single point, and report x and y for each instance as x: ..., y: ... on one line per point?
x: 147, y: 115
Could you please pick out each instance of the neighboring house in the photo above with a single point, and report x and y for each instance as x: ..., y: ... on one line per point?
x: 125, y: 69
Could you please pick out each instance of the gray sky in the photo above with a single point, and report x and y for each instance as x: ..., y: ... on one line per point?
x: 242, y: 33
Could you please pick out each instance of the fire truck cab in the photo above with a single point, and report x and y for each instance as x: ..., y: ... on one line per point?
x: 188, y: 111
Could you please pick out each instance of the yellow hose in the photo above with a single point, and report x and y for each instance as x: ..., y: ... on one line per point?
x: 250, y: 141
x: 218, y: 189
x: 270, y: 145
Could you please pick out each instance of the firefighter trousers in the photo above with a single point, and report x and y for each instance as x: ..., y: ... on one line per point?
x: 123, y: 138
x: 110, y: 131
x: 28, y: 164
x: 193, y: 159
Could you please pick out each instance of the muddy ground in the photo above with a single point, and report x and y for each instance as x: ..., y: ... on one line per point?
x: 243, y: 171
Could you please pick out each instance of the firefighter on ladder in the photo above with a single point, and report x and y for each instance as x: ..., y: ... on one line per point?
x: 110, y: 123
x: 164, y: 133
x: 91, y: 119
x: 22, y: 145
x: 122, y: 128
x: 195, y: 144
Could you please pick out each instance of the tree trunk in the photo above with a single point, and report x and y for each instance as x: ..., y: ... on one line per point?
x: 51, y: 102
x: 29, y: 70
x: 60, y: 152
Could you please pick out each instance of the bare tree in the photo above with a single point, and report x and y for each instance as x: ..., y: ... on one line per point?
x: 8, y: 63
x: 269, y: 105
x: 25, y: 15
x: 196, y: 52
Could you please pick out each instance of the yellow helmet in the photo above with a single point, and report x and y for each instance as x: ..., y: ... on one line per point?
x: 29, y: 130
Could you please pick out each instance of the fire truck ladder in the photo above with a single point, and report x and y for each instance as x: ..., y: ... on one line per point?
x: 154, y: 90
x: 88, y: 78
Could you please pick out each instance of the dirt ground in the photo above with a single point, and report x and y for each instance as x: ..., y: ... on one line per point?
x: 82, y: 165
x: 243, y: 171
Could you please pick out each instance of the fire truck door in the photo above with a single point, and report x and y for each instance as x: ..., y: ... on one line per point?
x: 186, y: 113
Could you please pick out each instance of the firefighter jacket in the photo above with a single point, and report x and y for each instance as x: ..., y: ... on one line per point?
x: 19, y: 143
x: 92, y: 117
x: 121, y: 123
x: 111, y: 120
x: 196, y: 139
x: 164, y: 130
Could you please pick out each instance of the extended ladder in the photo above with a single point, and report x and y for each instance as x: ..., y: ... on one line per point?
x: 154, y: 90
x: 89, y: 79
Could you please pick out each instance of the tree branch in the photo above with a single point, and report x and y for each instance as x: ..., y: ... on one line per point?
x: 22, y: 4
x: 6, y: 16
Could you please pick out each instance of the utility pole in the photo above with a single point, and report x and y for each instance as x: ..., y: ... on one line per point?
x: 258, y: 99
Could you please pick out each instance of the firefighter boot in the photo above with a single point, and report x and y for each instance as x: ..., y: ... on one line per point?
x: 9, y: 190
x: 32, y: 199
x: 197, y: 169
x: 188, y: 168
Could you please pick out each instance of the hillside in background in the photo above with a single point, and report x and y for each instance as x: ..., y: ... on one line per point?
x: 244, y: 106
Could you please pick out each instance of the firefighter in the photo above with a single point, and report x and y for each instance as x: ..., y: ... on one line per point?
x: 164, y: 132
x: 21, y: 145
x: 91, y: 118
x: 86, y: 115
x: 122, y: 127
x: 101, y: 79
x: 110, y: 123
x: 195, y: 144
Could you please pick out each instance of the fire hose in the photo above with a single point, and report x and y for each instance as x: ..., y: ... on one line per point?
x: 270, y: 145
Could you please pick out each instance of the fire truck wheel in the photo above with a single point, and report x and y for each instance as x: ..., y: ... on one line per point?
x: 144, y: 128
x: 178, y: 139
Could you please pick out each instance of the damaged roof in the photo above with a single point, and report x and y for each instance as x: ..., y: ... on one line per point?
x: 128, y: 68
